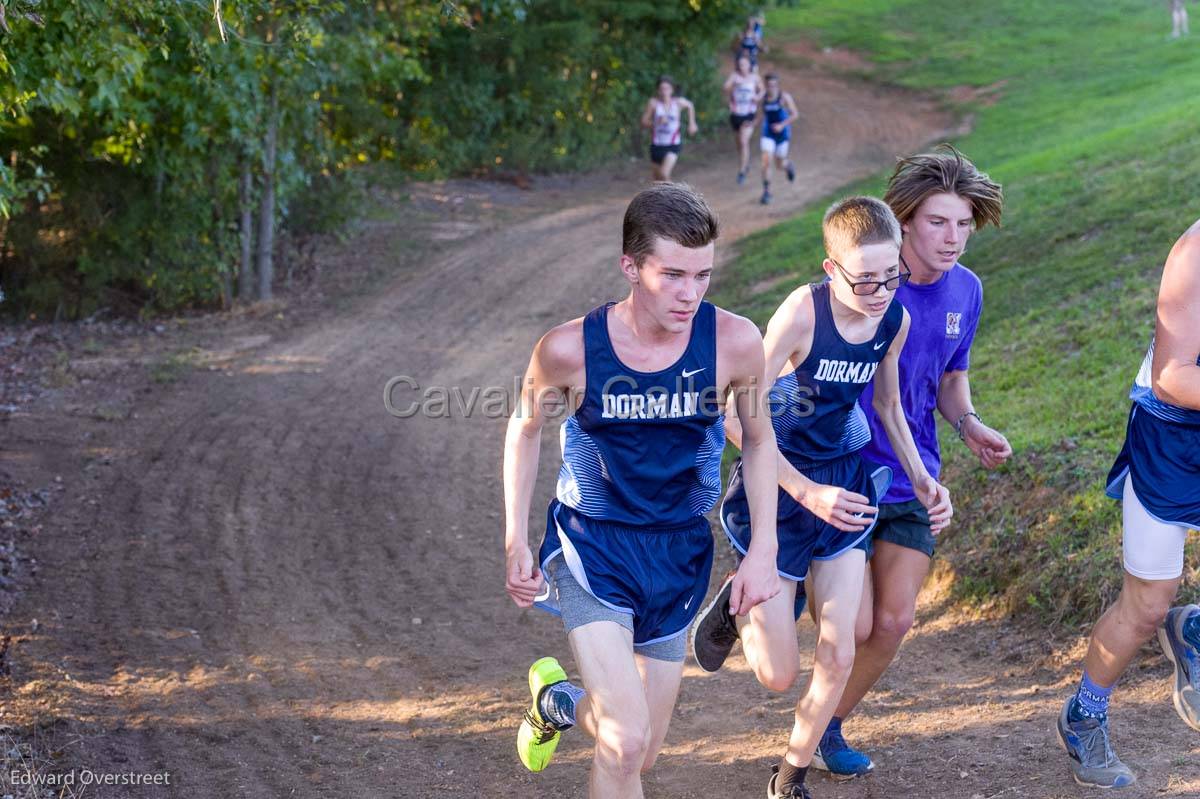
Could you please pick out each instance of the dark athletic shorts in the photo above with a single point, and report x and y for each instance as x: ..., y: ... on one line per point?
x: 802, y: 536
x: 736, y: 121
x: 658, y: 152
x: 905, y: 524
x: 656, y: 575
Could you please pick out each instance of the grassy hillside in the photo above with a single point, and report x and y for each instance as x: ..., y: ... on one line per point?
x: 1090, y: 123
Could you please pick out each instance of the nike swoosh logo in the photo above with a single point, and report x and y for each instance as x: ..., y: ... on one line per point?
x: 880, y: 344
x: 686, y: 373
x: 688, y: 604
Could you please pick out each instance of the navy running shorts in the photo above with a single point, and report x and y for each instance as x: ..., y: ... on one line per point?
x: 803, y: 537
x: 1162, y: 459
x: 657, y: 575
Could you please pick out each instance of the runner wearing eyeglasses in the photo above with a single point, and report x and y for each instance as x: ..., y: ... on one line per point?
x: 824, y: 346
x: 940, y: 198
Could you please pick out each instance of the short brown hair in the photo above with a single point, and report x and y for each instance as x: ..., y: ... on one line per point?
x: 857, y: 222
x: 673, y: 211
x: 948, y: 171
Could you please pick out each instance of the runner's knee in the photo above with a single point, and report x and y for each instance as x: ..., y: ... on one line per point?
x: 1145, y: 602
x: 778, y: 674
x: 891, y: 626
x: 622, y: 745
x: 835, y: 658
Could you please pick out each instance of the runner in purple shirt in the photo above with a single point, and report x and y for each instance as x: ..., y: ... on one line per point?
x: 940, y: 198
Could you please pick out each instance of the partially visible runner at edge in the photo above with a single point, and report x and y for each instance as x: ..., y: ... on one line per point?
x: 1156, y: 477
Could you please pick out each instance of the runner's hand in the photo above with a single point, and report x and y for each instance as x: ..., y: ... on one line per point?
x: 524, y: 578
x: 756, y: 581
x: 989, y: 446
x: 844, y: 509
x: 692, y: 129
x: 936, y: 499
x: 776, y: 127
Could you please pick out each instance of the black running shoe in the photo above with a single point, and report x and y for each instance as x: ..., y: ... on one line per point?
x: 714, y: 633
x: 765, y: 199
x: 791, y: 172
x: 795, y: 792
x: 741, y: 178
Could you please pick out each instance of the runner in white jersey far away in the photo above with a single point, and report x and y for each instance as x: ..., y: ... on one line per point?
x: 664, y: 116
x: 744, y: 88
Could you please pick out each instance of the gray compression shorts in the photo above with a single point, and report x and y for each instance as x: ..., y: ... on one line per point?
x: 578, y: 608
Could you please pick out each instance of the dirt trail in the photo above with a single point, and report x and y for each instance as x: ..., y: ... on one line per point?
x: 284, y: 591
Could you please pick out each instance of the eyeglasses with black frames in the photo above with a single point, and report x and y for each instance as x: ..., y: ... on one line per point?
x: 868, y: 287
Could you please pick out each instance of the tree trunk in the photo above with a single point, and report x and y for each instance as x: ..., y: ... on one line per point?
x: 266, y: 217
x: 246, y: 211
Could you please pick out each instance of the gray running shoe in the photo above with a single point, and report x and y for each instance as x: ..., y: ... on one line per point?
x: 1186, y: 691
x: 1093, y: 762
x: 715, y: 632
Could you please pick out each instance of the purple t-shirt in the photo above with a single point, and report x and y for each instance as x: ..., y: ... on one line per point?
x: 944, y: 316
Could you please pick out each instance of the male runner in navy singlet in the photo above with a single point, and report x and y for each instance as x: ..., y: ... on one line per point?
x: 627, y: 552
x: 824, y: 345
x: 779, y: 114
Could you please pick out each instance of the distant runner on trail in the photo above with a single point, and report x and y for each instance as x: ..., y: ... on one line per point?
x: 824, y: 346
x: 750, y: 43
x: 1157, y: 478
x: 627, y: 550
x: 940, y: 199
x: 664, y: 116
x: 744, y: 90
x: 779, y: 112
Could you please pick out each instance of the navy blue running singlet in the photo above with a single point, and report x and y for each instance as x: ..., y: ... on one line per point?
x: 645, y: 448
x: 774, y: 113
x: 815, y: 408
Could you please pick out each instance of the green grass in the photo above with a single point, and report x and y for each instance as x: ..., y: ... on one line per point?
x: 1094, y: 139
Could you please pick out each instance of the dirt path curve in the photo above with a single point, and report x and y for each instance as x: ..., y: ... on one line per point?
x: 283, y: 591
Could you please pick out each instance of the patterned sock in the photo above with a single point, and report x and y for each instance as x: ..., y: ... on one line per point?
x: 789, y: 775
x: 832, y: 740
x: 1090, y: 701
x: 557, y: 704
x: 1191, y: 630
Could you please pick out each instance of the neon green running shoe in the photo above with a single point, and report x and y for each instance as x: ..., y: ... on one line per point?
x: 537, y: 738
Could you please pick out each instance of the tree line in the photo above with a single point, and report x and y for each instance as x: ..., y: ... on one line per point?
x: 157, y: 154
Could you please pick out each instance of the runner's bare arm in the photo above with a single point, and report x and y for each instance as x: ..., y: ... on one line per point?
x: 1175, y: 372
x: 554, y: 368
x: 954, y: 402
x: 648, y: 114
x: 793, y: 112
x: 933, y: 495
x: 757, y: 579
x: 690, y: 107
